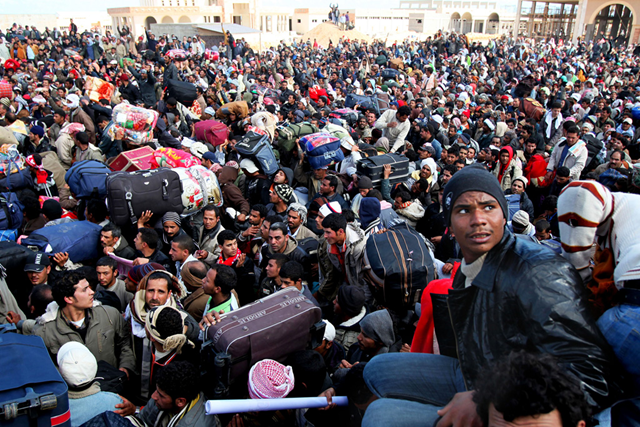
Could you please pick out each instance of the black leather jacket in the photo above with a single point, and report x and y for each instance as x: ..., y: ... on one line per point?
x: 528, y: 298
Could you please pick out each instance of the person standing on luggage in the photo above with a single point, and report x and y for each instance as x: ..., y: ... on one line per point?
x: 395, y: 126
x: 206, y: 235
x: 75, y: 316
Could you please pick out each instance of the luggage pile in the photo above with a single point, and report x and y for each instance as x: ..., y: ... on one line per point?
x: 137, y: 123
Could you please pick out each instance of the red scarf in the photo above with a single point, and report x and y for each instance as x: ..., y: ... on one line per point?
x: 229, y: 261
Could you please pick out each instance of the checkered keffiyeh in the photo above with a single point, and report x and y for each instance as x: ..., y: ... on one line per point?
x: 269, y: 379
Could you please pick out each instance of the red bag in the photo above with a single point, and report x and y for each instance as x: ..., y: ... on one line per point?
x: 133, y: 160
x: 316, y: 92
x: 212, y: 131
x: 6, y: 90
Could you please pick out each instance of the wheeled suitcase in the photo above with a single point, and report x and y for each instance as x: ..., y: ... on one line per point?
x: 270, y: 328
x: 129, y: 194
x: 88, y: 178
x: 184, y: 92
x: 133, y: 160
x: 399, y: 266
x: 373, y: 167
x: 212, y: 131
x: 32, y: 392
x: 80, y: 239
x: 321, y: 149
x: 258, y: 148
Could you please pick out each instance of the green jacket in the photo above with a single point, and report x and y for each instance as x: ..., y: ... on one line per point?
x: 108, y: 337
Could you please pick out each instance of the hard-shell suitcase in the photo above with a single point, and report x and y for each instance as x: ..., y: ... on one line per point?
x: 258, y: 148
x: 132, y: 193
x: 133, y: 160
x: 80, y: 239
x: 270, y: 328
x: 88, y: 178
x: 212, y: 131
x: 399, y: 266
x: 373, y: 167
x: 32, y: 392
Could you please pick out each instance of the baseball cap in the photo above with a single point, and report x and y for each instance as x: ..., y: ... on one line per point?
x: 37, y: 263
x: 248, y: 165
x: 72, y: 101
x: 210, y: 156
x: 77, y: 365
x: 628, y: 120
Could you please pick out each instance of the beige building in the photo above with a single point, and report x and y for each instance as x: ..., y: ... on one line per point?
x: 139, y: 18
x: 591, y: 19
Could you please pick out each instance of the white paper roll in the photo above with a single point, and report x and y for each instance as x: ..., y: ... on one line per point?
x: 235, y: 406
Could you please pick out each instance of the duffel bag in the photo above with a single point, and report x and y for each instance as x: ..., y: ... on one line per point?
x: 184, y: 92
x: 256, y: 147
x: 81, y: 239
x: 88, y: 178
x: 239, y: 108
x: 287, y: 135
x: 398, y: 265
x: 364, y: 102
x: 270, y: 328
x: 31, y: 384
x: 167, y: 157
x: 132, y: 193
x: 212, y: 131
x: 389, y: 74
x: 199, y: 188
x: 10, y: 211
x: 349, y: 116
x: 321, y: 149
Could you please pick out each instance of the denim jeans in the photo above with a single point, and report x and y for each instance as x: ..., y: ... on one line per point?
x: 620, y: 326
x: 412, y: 387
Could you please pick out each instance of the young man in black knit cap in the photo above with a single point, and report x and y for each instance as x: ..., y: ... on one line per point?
x: 508, y: 295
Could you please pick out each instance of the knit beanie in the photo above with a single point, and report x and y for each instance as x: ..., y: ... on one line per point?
x: 472, y: 178
x: 369, y: 210
x: 51, y: 209
x: 351, y: 300
x: 172, y: 217
x: 284, y: 191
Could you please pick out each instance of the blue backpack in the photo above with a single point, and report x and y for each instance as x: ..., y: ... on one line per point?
x: 88, y: 178
x: 257, y: 147
x: 80, y: 239
x: 11, y: 212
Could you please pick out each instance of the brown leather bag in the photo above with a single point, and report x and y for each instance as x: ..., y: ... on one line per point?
x: 270, y: 328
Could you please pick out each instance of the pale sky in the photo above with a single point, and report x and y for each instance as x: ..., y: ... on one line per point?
x: 42, y: 6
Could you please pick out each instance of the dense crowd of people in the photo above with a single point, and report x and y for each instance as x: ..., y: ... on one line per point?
x: 520, y: 184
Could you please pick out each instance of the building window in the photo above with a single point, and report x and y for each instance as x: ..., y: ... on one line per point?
x: 299, y: 21
x: 314, y: 21
x: 419, y: 21
x: 216, y: 19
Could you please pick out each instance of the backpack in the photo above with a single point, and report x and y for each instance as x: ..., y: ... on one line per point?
x: 11, y: 212
x: 88, y: 178
x: 256, y: 147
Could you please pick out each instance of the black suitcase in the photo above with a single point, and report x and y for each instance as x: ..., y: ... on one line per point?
x: 373, y: 167
x: 184, y: 92
x: 389, y: 74
x: 400, y: 266
x: 32, y: 392
x: 129, y: 194
x: 270, y: 328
